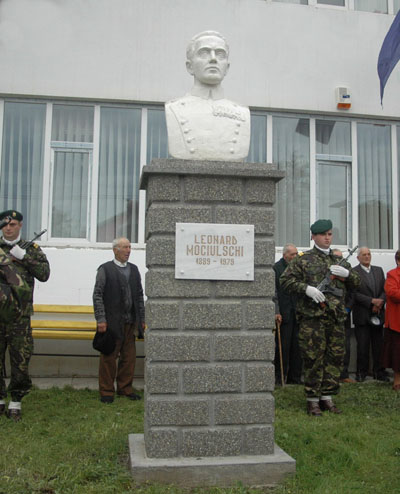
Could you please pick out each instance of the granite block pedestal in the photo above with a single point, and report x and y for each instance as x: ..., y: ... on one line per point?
x: 209, y: 375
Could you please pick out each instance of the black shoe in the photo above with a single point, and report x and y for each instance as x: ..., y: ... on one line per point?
x: 14, y: 414
x: 381, y: 376
x: 133, y: 396
x: 360, y: 377
x: 107, y: 399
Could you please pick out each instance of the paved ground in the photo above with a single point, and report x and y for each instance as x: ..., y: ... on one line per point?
x: 75, y: 382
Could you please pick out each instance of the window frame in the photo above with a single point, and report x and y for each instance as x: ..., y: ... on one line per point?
x: 91, y: 242
x: 70, y: 147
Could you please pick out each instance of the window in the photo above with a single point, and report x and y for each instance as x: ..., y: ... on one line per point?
x: 333, y: 138
x: 374, y: 186
x: 339, y: 3
x: 83, y: 178
x: 396, y: 6
x: 333, y: 188
x: 291, y: 153
x: 21, y: 180
x: 333, y: 198
x: 377, y: 6
x: 301, y: 2
x: 258, y: 139
x: 71, y: 169
x: 157, y: 137
x: 119, y: 170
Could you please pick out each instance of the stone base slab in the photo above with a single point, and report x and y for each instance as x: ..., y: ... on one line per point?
x: 263, y: 470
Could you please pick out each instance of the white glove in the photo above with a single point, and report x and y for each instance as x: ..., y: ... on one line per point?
x: 315, y: 294
x: 339, y: 271
x: 17, y: 252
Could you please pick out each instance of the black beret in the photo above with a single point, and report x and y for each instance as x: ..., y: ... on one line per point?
x: 104, y: 342
x: 15, y: 215
x: 321, y: 226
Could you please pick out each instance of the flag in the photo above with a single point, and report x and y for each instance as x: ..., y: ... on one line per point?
x: 390, y: 53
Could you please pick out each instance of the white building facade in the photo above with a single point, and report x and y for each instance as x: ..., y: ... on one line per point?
x: 82, y: 88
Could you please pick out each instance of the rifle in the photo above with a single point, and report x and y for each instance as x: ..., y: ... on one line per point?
x: 28, y: 243
x: 325, y: 285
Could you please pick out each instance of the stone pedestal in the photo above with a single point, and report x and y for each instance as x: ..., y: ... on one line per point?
x: 209, y: 346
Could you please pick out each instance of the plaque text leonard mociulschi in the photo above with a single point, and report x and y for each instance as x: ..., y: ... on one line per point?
x: 212, y: 251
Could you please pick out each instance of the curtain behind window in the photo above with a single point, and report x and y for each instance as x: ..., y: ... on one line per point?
x: 22, y: 162
x: 291, y: 153
x: 119, y: 168
x: 157, y: 137
x: 374, y: 186
x: 258, y: 139
x: 70, y: 194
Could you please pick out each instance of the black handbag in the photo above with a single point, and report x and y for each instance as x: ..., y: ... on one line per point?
x: 104, y: 342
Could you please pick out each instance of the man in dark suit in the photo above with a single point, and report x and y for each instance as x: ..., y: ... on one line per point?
x: 119, y: 308
x: 368, y: 316
x: 285, y: 313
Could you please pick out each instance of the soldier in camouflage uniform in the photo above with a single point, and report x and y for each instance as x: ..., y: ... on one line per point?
x: 19, y: 266
x: 321, y: 316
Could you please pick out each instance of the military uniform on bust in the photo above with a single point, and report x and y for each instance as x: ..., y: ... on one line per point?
x: 203, y: 127
x: 321, y: 316
x: 27, y: 263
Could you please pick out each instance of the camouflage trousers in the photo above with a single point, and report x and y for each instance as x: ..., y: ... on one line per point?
x: 17, y: 337
x: 322, y: 345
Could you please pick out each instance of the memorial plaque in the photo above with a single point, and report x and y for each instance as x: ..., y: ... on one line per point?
x: 213, y: 251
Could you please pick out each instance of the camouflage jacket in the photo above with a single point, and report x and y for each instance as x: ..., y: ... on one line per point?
x: 33, y: 265
x: 310, y: 269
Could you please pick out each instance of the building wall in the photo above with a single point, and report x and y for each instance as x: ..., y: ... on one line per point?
x: 283, y: 56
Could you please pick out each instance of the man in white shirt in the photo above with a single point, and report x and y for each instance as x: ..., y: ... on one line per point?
x: 119, y: 309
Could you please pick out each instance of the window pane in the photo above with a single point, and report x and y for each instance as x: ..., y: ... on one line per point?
x: 301, y: 2
x: 333, y: 137
x: 374, y: 186
x: 157, y: 138
x: 332, y: 190
x: 340, y: 3
x: 258, y: 139
x: 291, y: 152
x: 396, y: 6
x: 70, y: 194
x: 72, y: 123
x: 377, y: 6
x: 22, y: 162
x: 119, y: 168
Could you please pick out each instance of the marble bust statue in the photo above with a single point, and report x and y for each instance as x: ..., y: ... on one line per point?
x: 203, y: 124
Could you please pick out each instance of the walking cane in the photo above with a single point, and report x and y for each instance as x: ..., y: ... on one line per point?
x: 278, y: 329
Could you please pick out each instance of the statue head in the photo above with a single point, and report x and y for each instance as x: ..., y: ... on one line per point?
x: 207, y: 58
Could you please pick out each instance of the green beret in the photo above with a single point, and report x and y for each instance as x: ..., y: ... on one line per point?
x: 15, y: 215
x: 321, y: 226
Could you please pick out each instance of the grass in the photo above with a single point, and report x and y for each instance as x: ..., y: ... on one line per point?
x: 70, y: 443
